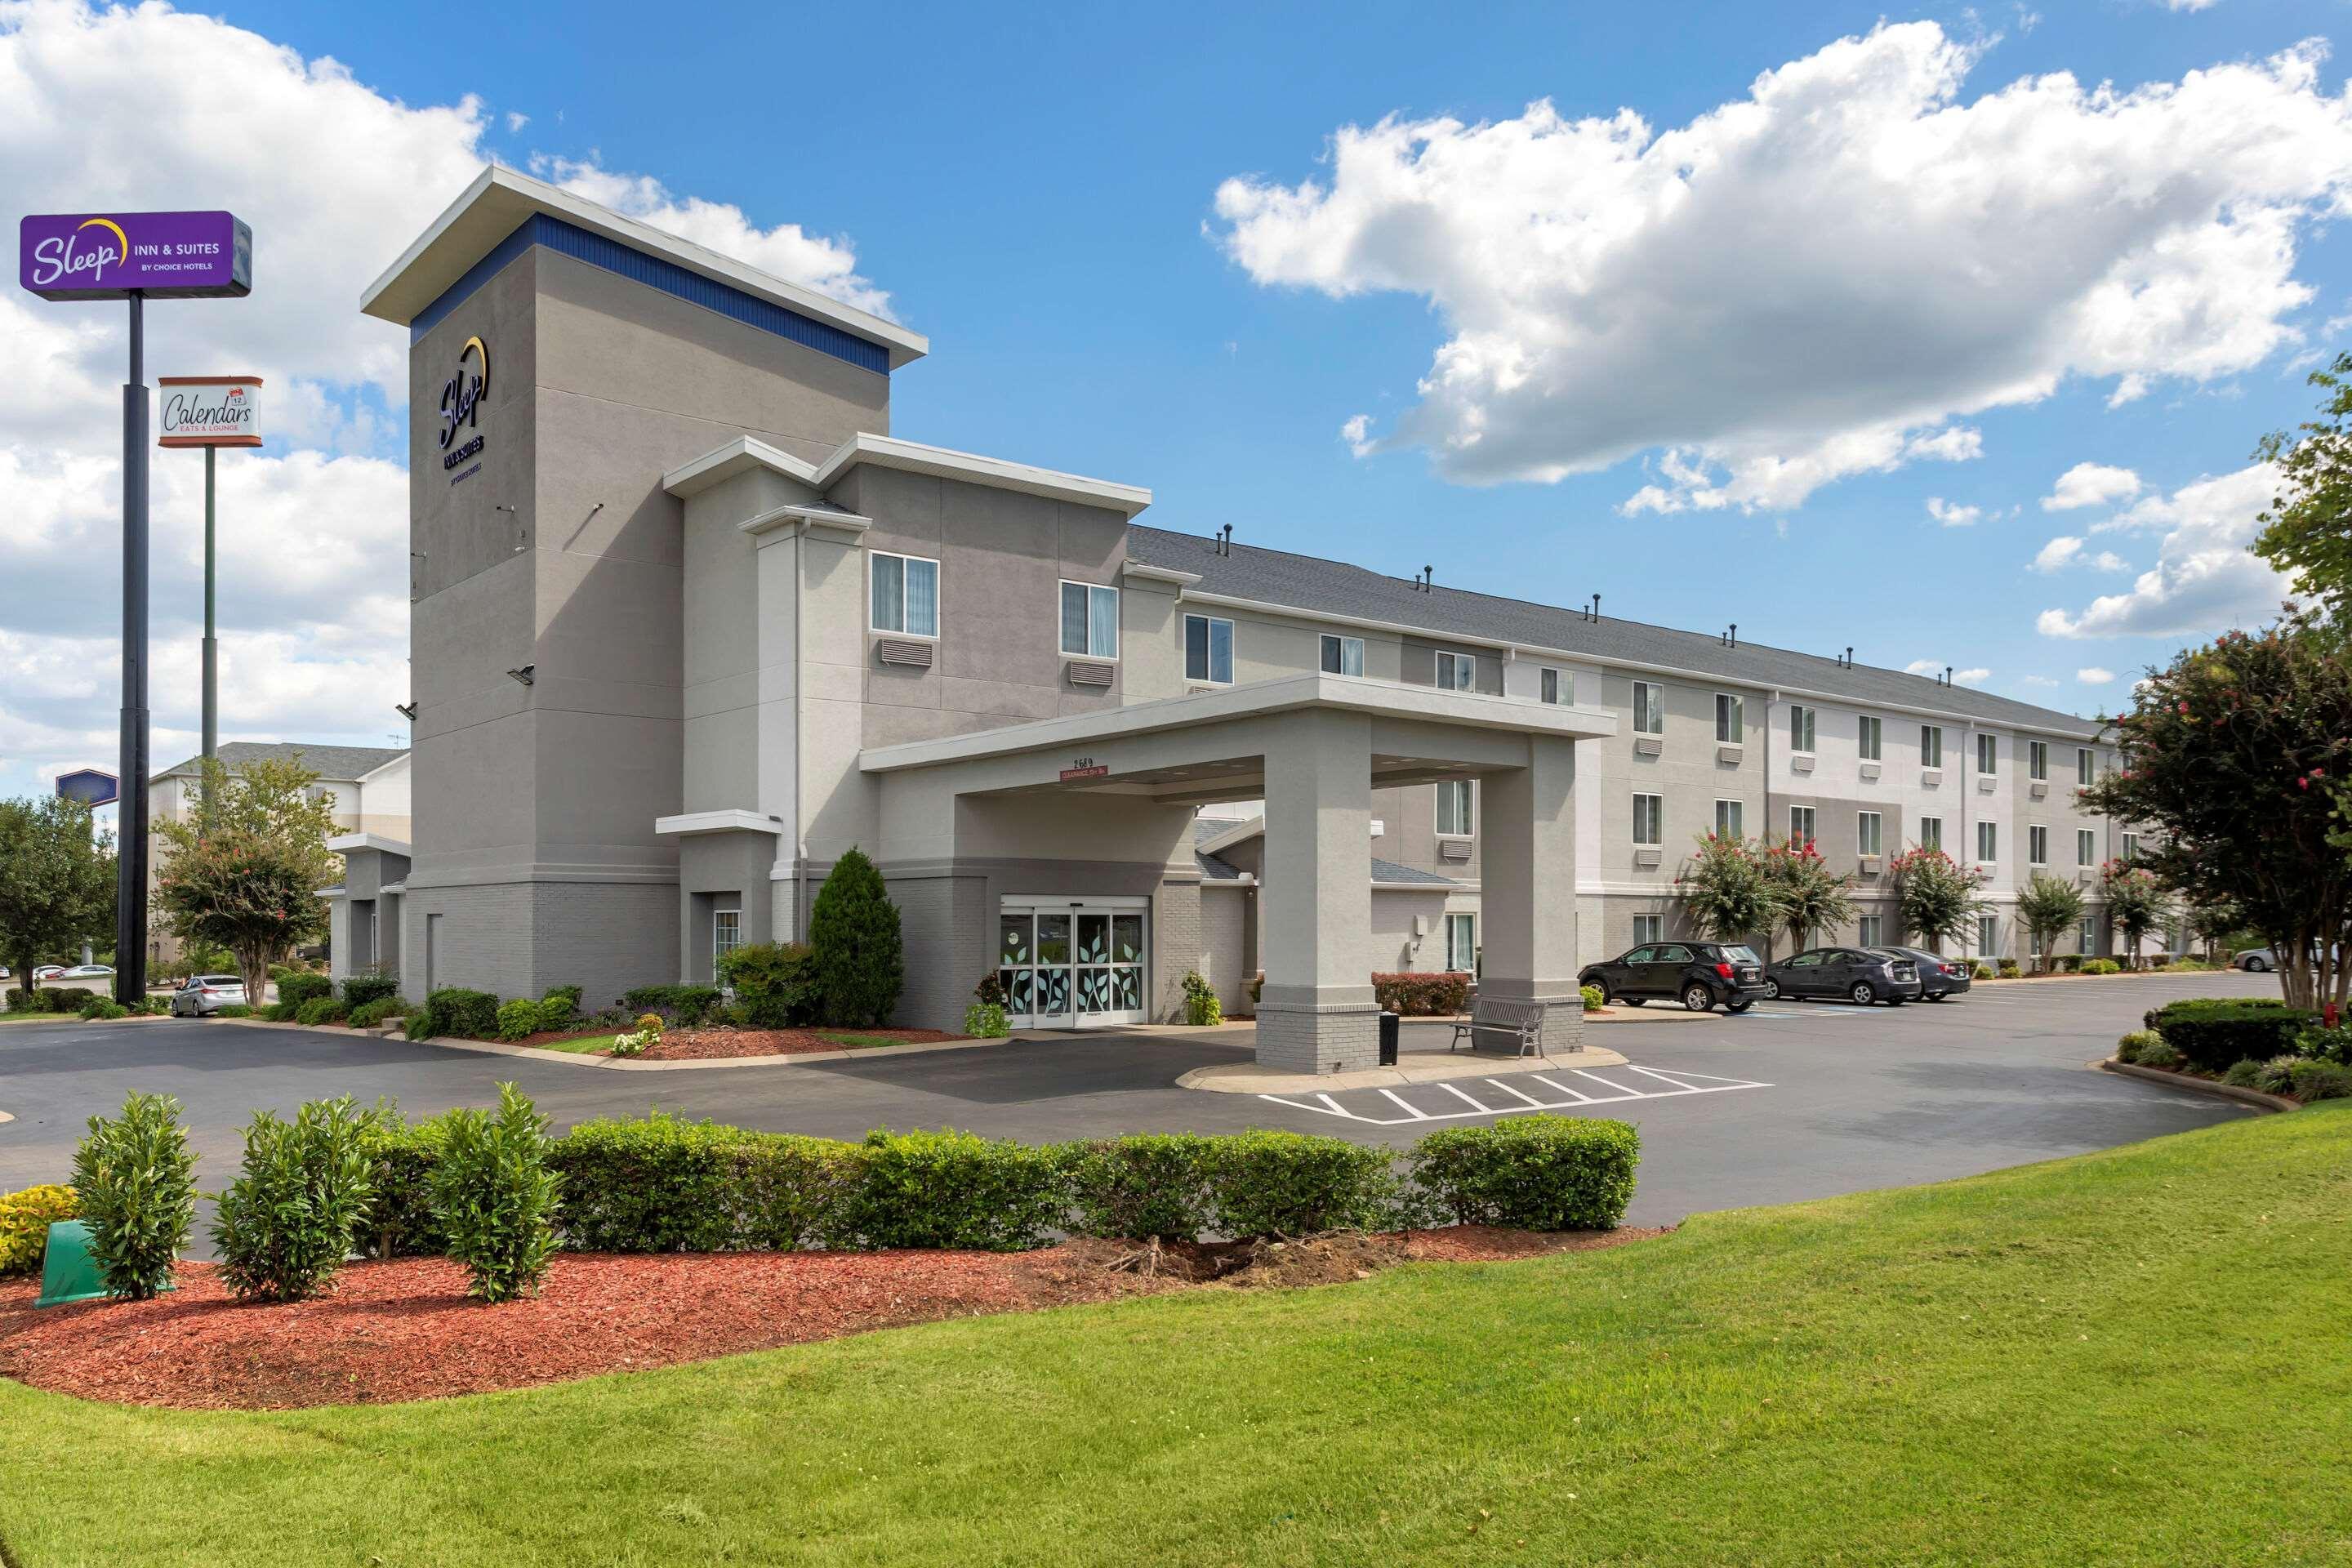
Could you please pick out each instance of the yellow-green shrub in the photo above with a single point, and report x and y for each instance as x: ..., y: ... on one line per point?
x: 24, y: 1220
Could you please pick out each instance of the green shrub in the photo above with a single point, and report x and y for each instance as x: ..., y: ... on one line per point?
x: 101, y: 1010
x: 558, y: 1009
x: 2310, y: 1081
x: 685, y: 1005
x: 2068, y: 963
x: 2159, y: 1054
x: 299, y: 988
x: 286, y: 1223
x: 279, y: 1013
x: 1202, y: 1007
x: 2101, y: 966
x: 2009, y: 969
x: 131, y: 1177
x: 655, y: 1185
x: 1290, y: 1183
x: 494, y: 1198
x: 401, y: 1157
x: 2326, y: 1045
x: 2247, y: 1074
x: 796, y: 1193
x: 319, y: 1010
x: 860, y: 956
x: 1420, y: 995
x: 234, y: 1010
x: 24, y: 1219
x: 518, y: 1018
x: 2213, y: 1033
x: 19, y: 1000
x: 1980, y: 970
x: 2129, y: 1048
x: 2276, y: 1076
x: 1141, y: 1186
x: 455, y: 1012
x: 368, y: 1014
x: 1594, y: 998
x: 949, y: 1189
x: 1532, y: 1173
x: 365, y: 988
x: 567, y: 994
x: 89, y: 1002
x: 775, y: 983
x: 985, y: 1021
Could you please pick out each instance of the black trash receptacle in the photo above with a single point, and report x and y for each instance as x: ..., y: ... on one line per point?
x: 1387, y: 1039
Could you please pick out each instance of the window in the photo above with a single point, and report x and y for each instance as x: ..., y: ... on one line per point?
x: 1649, y: 709
x: 2033, y: 942
x: 1988, y: 841
x: 1931, y: 745
x: 1461, y: 943
x: 2037, y: 846
x: 2037, y: 759
x: 2086, y: 766
x: 1730, y: 719
x: 2087, y: 846
x: 2086, y: 937
x: 1800, y: 727
x: 1870, y: 827
x: 2131, y: 846
x: 1988, y: 934
x: 1089, y: 620
x: 1931, y: 833
x: 1648, y: 928
x: 1343, y: 656
x: 1871, y: 729
x: 1728, y: 819
x: 1984, y: 753
x: 1873, y: 929
x: 726, y: 936
x: 1454, y: 808
x: 1801, y: 824
x: 1548, y: 684
x: 905, y: 594
x: 1208, y: 649
x: 1457, y: 671
x: 1649, y: 820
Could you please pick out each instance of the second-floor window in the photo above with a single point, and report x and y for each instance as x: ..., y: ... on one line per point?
x: 1730, y: 719
x: 1649, y: 708
x: 1547, y: 687
x: 2037, y: 846
x: 1457, y: 671
x: 1454, y: 808
x: 2131, y: 846
x: 2087, y: 846
x: 1801, y: 824
x: 1984, y: 753
x: 1649, y: 820
x: 1208, y: 649
x: 1988, y: 842
x: 2086, y: 766
x: 1870, y: 831
x: 1931, y: 745
x: 1931, y: 833
x: 2037, y: 759
x: 1089, y: 620
x: 1800, y: 727
x: 906, y: 595
x: 1728, y: 819
x: 1871, y: 729
x: 1343, y: 656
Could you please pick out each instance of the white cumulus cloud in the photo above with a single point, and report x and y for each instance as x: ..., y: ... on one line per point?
x: 1821, y: 279
x: 2067, y: 551
x: 2204, y: 579
x: 2091, y: 484
x: 1951, y: 515
x: 2092, y: 675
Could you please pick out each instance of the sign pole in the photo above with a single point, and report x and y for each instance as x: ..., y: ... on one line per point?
x: 131, y: 818
x: 212, y: 644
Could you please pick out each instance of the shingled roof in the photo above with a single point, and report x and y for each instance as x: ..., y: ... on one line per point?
x: 1336, y: 588
x: 327, y: 762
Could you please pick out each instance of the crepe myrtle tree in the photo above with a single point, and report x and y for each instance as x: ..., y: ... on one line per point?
x: 2047, y: 907
x: 1807, y: 896
x: 2234, y: 755
x: 57, y: 881
x: 2137, y: 903
x: 1726, y: 894
x: 2307, y: 529
x: 242, y: 870
x: 1935, y: 896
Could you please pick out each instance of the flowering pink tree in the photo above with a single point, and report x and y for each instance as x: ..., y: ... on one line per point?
x: 1806, y: 894
x: 1934, y: 897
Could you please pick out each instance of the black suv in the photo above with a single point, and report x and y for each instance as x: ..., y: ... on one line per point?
x: 1700, y: 973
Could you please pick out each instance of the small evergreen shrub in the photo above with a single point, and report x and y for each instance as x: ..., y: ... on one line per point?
x: 101, y: 1010
x: 568, y: 994
x: 1202, y: 1007
x: 949, y: 1189
x: 795, y: 1193
x: 2129, y: 1048
x: 2246, y: 1074
x: 1594, y: 998
x: 368, y: 1014
x: 985, y: 1021
x: 494, y: 1198
x: 662, y: 1184
x: 1533, y: 1173
x: 2102, y: 966
x: 2159, y: 1054
x: 1291, y: 1184
x: 234, y: 1010
x: 686, y: 1006
x: 132, y: 1176
x: 2326, y: 1045
x: 300, y: 987
x: 24, y: 1219
x: 2009, y: 969
x: 2276, y: 1076
x: 279, y: 1013
x: 288, y: 1222
x: 775, y: 983
x: 367, y: 987
x: 518, y: 1018
x: 319, y: 1010
x: 455, y: 1012
x: 859, y: 954
x: 401, y: 1157
x: 2214, y: 1033
x: 1421, y: 996
x: 559, y: 1009
x: 2310, y: 1081
x: 1980, y: 970
x: 1139, y: 1186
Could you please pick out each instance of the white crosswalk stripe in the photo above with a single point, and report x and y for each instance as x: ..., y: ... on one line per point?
x: 1364, y: 1104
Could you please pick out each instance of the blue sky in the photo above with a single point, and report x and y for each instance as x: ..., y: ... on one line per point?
x: 1038, y: 191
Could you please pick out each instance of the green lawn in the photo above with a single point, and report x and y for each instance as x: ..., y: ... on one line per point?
x: 579, y: 1043
x: 2139, y: 1356
x: 850, y: 1040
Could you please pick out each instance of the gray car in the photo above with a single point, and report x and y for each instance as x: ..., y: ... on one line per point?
x: 1857, y: 974
x: 1939, y: 976
x: 201, y: 995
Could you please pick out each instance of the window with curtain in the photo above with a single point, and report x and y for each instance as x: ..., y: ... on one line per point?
x: 1343, y: 656
x: 1870, y: 830
x: 1728, y: 819
x: 1872, y: 930
x: 1871, y: 735
x: 1801, y: 824
x: 1208, y: 649
x: 2085, y: 760
x: 1089, y: 620
x: 2037, y: 759
x: 1931, y: 745
x: 1730, y: 719
x: 2087, y: 846
x: 1649, y: 709
x: 1989, y: 935
x: 1800, y: 727
x: 1461, y: 943
x: 905, y: 594
x: 1457, y: 671
x: 1931, y: 833
x: 1649, y: 820
x: 1988, y: 841
x: 1648, y: 928
x: 1454, y: 808
x: 2037, y: 846
x: 1547, y: 686
x: 1985, y: 748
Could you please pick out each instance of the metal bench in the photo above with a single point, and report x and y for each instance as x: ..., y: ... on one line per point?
x: 1517, y: 1024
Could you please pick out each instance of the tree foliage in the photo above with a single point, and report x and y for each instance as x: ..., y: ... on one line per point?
x: 1935, y: 896
x: 861, y: 961
x: 2046, y: 908
x: 56, y: 881
x: 2232, y: 754
x: 2136, y: 902
x: 243, y: 869
x: 1807, y: 896
x: 2307, y: 532
x: 1726, y: 894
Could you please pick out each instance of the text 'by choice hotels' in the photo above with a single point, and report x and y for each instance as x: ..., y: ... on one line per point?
x: 113, y: 256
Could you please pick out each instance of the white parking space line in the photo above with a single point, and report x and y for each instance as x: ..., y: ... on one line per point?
x: 1555, y: 1083
x: 1662, y: 1085
x: 1515, y: 1094
x: 1476, y: 1108
x: 1408, y: 1109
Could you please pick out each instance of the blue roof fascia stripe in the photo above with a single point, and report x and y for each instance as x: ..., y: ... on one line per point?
x: 676, y: 281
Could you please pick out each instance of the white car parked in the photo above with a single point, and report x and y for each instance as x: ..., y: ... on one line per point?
x: 201, y: 995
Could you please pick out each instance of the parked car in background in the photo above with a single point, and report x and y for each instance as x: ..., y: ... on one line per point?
x: 84, y: 972
x: 1940, y: 977
x: 2257, y: 960
x: 1700, y: 974
x: 47, y: 971
x: 201, y: 995
x: 1858, y: 974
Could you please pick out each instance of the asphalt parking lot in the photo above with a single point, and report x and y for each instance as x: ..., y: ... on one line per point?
x: 1792, y: 1100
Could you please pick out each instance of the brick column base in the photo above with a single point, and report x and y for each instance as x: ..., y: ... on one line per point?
x: 1333, y: 1037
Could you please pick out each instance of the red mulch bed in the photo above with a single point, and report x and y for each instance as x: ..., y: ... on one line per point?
x: 405, y: 1329
x: 692, y: 1044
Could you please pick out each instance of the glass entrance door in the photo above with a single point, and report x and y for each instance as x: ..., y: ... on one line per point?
x: 1071, y: 966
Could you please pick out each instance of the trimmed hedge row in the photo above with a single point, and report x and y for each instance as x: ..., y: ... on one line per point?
x: 662, y: 1184
x: 1419, y: 995
x: 2213, y: 1034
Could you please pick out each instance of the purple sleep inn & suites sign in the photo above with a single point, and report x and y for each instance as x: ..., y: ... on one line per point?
x: 112, y: 256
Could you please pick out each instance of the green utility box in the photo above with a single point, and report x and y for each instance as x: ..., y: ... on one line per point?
x: 68, y: 1273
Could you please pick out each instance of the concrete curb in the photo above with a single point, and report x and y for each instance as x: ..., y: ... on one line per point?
x: 1248, y: 1078
x: 1663, y: 1013
x: 2253, y: 1097
x: 618, y: 1064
